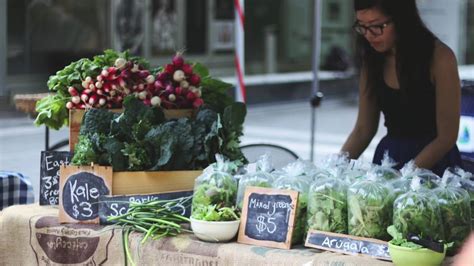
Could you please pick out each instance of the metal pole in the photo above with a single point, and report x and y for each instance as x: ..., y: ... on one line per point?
x: 316, y: 95
x: 239, y: 6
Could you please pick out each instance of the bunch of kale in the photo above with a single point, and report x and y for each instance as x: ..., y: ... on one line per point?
x: 141, y: 139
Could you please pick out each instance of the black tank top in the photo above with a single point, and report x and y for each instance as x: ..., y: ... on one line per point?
x: 410, y: 114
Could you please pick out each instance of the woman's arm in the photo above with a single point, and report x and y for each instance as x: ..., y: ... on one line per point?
x: 367, y: 121
x: 448, y: 105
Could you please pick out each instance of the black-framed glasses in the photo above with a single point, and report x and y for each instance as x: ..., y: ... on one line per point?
x: 376, y: 30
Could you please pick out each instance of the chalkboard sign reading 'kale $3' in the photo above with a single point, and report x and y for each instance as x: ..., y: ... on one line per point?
x: 49, y: 175
x: 80, y: 189
x: 268, y: 217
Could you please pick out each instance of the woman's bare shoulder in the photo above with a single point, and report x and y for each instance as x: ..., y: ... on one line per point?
x: 442, y: 53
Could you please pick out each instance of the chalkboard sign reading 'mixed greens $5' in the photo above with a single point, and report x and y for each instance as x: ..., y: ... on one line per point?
x: 348, y: 244
x: 80, y: 188
x: 268, y: 217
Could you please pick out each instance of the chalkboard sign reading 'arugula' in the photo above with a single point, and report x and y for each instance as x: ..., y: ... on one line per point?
x: 347, y: 244
x: 268, y: 217
x: 118, y: 205
x: 80, y: 189
x: 49, y: 175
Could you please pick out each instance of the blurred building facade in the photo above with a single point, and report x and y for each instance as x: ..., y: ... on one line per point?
x: 39, y: 37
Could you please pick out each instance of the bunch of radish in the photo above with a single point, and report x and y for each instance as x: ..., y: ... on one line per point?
x: 110, y: 87
x: 176, y: 86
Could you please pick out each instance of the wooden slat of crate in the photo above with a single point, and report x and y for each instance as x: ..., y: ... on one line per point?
x: 153, y: 182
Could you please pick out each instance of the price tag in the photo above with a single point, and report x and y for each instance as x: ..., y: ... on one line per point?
x: 268, y: 217
x: 80, y: 189
x: 49, y: 175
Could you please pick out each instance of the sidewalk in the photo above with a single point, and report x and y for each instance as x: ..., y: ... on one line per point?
x: 285, y: 124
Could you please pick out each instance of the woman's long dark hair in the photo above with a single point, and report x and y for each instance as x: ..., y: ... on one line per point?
x: 414, y: 45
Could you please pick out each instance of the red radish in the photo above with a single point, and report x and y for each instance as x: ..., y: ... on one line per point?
x: 87, y: 91
x: 147, y: 102
x: 179, y: 76
x: 150, y: 79
x: 143, y: 74
x: 141, y: 87
x: 162, y: 76
x: 142, y: 95
x: 169, y: 68
x: 113, y: 93
x: 104, y: 73
x: 84, y: 97
x: 85, y: 84
x: 178, y: 90
x: 120, y: 63
x: 135, y: 68
x: 170, y: 89
x: 114, y: 87
x: 126, y: 74
x: 99, y: 78
x: 122, y: 82
x: 111, y: 71
x: 187, y: 69
x: 76, y: 99
x: 172, y: 97
x: 88, y: 79
x: 98, y: 85
x: 198, y: 102
x: 194, y: 80
x: 190, y: 96
x: 196, y: 91
x: 158, y: 85
x: 93, y: 99
x: 102, y: 101
x: 72, y: 91
x: 178, y: 60
x: 92, y: 87
x: 184, y: 84
x: 69, y: 105
x: 155, y: 101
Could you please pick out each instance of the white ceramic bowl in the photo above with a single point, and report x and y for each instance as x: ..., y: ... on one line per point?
x: 215, y: 231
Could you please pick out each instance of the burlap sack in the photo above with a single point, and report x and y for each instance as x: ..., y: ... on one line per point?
x: 32, y: 235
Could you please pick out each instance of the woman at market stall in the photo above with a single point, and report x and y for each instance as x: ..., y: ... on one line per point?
x: 411, y: 77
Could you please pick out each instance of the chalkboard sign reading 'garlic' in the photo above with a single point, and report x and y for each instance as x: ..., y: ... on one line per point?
x: 268, y: 217
x: 80, y: 189
x: 49, y: 175
x: 348, y: 244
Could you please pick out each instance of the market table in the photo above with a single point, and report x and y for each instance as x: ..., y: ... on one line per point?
x: 31, y: 234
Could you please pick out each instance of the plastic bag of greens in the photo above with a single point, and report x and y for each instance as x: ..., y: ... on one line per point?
x: 295, y: 180
x: 385, y: 170
x: 454, y: 203
x: 261, y: 177
x: 215, y: 186
x: 327, y: 205
x: 465, y: 181
x: 418, y: 212
x: 369, y: 204
x: 402, y: 185
x: 331, y: 165
x: 429, y: 179
x: 356, y: 170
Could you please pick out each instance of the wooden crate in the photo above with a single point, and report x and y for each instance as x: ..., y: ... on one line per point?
x: 153, y: 182
x: 76, y: 115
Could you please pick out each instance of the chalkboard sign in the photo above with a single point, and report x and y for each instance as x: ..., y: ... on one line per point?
x: 347, y: 244
x: 268, y: 217
x: 49, y: 175
x: 118, y: 205
x: 80, y: 189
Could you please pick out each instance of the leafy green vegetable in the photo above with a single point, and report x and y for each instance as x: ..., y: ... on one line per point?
x: 214, y: 190
x: 258, y: 179
x: 418, y: 212
x: 212, y: 213
x: 300, y: 184
x: 398, y: 240
x: 327, y: 206
x: 456, y: 214
x: 141, y: 139
x: 52, y: 111
x: 370, y: 209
